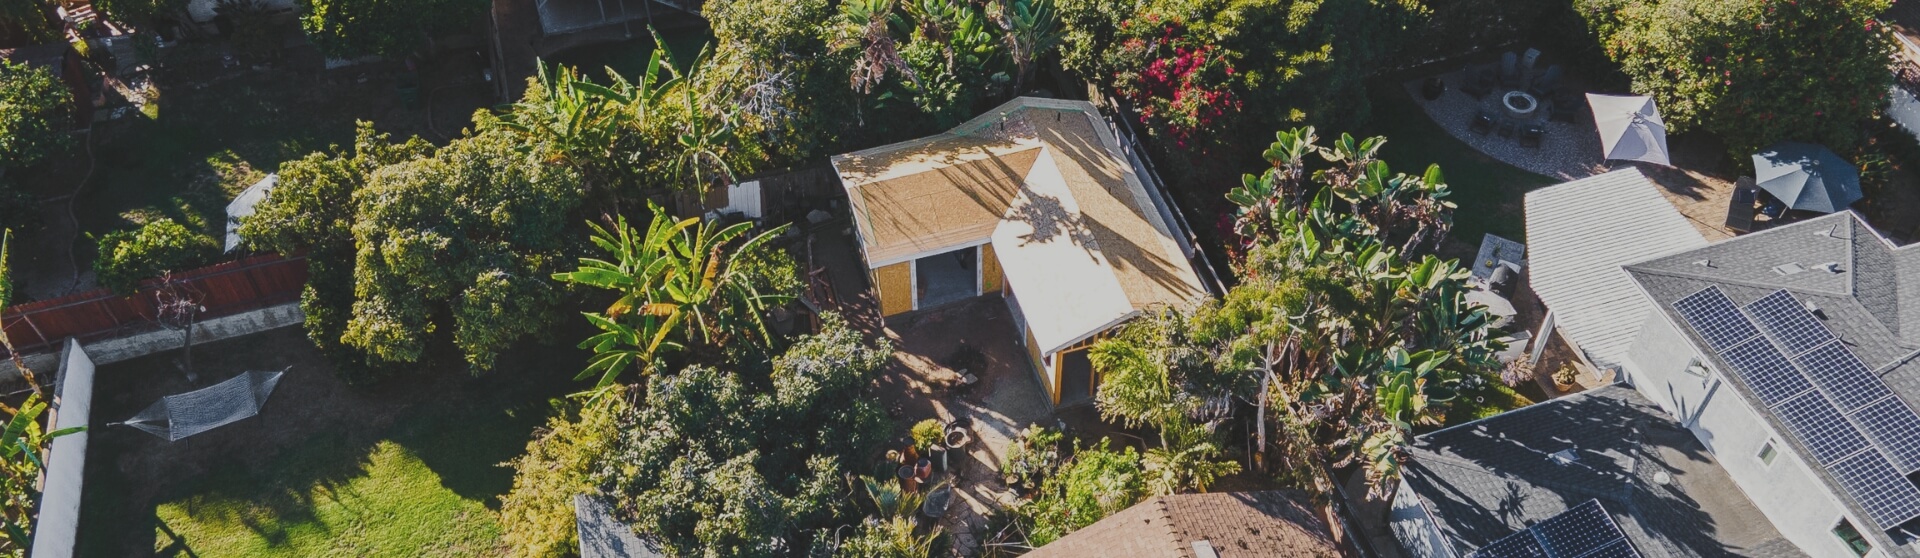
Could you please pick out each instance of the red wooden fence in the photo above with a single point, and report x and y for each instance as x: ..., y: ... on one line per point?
x: 225, y: 289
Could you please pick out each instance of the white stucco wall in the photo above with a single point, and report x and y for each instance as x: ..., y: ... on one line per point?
x: 1788, y: 491
x: 1414, y: 528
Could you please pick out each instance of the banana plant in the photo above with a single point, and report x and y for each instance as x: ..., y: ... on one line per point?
x: 20, y: 447
x: 6, y: 299
x: 678, y: 277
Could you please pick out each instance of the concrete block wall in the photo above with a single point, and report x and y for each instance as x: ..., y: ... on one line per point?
x: 108, y: 351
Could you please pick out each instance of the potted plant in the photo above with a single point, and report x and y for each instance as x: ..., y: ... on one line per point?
x: 957, y: 434
x: 927, y: 436
x: 1563, y: 379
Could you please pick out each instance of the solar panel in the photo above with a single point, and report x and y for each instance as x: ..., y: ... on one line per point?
x: 1821, y: 427
x: 1766, y: 371
x: 1888, y: 497
x: 1583, y: 531
x: 1845, y: 379
x: 1715, y: 318
x: 1783, y: 316
x: 1521, y: 544
x: 1577, y: 531
x: 1894, y: 426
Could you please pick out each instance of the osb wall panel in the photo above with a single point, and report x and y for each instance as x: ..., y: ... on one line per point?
x: 895, y: 283
x: 989, y: 270
x: 1049, y: 381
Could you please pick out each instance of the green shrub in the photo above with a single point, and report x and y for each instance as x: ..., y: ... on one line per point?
x: 1097, y: 482
x: 35, y: 113
x: 536, y: 517
x: 155, y: 249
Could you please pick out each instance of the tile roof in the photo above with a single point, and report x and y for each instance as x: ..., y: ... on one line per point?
x: 1484, y: 480
x: 1579, y: 234
x: 1272, y: 524
x: 1867, y: 290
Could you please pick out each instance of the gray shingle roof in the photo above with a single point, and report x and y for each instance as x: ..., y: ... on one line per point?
x: 1484, y: 480
x: 1869, y: 297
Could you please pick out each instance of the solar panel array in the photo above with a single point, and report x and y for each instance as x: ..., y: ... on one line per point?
x: 1583, y: 531
x: 1846, y: 417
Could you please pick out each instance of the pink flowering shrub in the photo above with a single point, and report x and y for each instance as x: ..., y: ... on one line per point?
x: 1182, y: 86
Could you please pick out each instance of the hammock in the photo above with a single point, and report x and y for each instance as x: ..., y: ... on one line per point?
x: 178, y: 416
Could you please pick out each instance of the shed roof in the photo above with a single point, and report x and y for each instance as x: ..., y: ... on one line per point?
x: 1580, y: 234
x: 1041, y: 179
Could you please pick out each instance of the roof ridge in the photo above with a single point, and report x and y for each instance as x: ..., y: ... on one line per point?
x: 1160, y: 510
x: 1637, y: 268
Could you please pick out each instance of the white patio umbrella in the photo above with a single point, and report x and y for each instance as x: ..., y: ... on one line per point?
x: 1630, y: 128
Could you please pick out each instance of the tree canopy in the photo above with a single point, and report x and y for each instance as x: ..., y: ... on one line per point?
x: 1753, y: 72
x: 729, y: 464
x: 458, y: 240
x: 1193, y: 67
x: 355, y: 28
x: 157, y: 248
x: 36, y: 110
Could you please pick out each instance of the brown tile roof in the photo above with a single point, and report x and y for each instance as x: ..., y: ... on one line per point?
x: 1274, y: 524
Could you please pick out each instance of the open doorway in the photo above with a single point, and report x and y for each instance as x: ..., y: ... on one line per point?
x: 947, y: 277
x: 1076, y: 377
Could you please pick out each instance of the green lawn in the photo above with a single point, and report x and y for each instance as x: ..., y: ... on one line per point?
x: 1487, y: 191
x: 397, y: 506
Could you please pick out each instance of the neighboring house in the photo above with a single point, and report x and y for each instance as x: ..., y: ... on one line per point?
x: 1578, y: 235
x: 1270, y: 524
x: 1791, y: 354
x: 1474, y: 489
x: 1033, y: 201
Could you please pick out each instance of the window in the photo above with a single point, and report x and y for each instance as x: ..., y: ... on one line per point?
x: 1698, y: 368
x: 1852, y: 538
x: 1768, y: 453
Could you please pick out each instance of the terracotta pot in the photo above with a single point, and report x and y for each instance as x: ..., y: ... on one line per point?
x: 923, y: 469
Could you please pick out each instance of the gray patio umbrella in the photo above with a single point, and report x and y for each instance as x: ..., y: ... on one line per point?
x: 1807, y: 177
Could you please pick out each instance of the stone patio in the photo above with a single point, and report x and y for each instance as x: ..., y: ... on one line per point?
x: 935, y: 350
x: 1570, y: 150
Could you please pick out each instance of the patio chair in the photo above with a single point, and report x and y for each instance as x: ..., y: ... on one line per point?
x: 1740, y: 206
x: 1564, y: 108
x: 1545, y: 85
x: 1482, y: 123
x: 1531, y: 135
x: 1476, y: 81
x: 1510, y: 70
x: 1508, y: 127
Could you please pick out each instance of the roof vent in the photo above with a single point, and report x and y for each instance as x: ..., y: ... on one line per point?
x: 1704, y: 263
x: 1563, y: 457
x: 1829, y: 267
x: 1789, y: 268
x: 1204, y: 549
x: 1661, y: 477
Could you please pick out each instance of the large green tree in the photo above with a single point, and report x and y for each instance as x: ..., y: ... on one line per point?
x: 1753, y: 72
x: 36, y: 110
x: 943, y: 56
x: 722, y: 463
x: 409, y: 243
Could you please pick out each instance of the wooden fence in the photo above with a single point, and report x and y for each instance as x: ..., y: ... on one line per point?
x: 222, y: 290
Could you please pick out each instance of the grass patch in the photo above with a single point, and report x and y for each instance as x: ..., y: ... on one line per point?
x: 1490, y: 399
x: 396, y: 505
x: 1489, y: 193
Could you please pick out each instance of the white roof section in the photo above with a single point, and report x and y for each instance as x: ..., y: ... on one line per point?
x: 242, y: 206
x: 1066, y: 285
x: 1580, y: 234
x: 1630, y: 128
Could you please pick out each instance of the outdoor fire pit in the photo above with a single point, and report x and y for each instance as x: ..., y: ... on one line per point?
x: 1519, y: 104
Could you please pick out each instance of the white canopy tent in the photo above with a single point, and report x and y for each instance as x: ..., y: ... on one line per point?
x: 1630, y: 128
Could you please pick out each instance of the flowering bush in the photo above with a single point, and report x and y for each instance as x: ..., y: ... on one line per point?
x: 1183, y: 86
